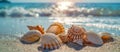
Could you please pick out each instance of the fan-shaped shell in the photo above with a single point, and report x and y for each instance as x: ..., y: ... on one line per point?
x: 106, y: 37
x: 38, y: 27
x: 31, y: 36
x: 93, y: 38
x: 50, y: 41
x: 56, y: 28
x: 76, y: 32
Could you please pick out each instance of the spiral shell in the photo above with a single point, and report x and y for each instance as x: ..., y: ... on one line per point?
x: 50, y: 41
x: 38, y: 27
x: 31, y: 36
x: 56, y: 28
x: 76, y: 33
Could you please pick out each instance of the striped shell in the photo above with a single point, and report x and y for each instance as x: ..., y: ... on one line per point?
x: 31, y: 36
x: 50, y: 41
x: 38, y: 27
x: 93, y: 38
x: 56, y: 28
x: 76, y: 33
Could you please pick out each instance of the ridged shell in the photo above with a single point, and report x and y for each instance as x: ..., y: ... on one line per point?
x: 50, y: 41
x: 38, y: 27
x: 76, y: 33
x: 106, y: 37
x: 31, y: 36
x: 56, y: 28
x: 93, y: 38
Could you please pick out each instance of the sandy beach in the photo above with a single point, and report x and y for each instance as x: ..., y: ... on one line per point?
x: 17, y: 46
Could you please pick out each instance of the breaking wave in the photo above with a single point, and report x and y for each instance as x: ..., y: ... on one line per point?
x: 48, y: 12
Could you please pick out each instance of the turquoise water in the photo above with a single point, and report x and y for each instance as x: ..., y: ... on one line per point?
x: 104, y: 17
x: 42, y: 9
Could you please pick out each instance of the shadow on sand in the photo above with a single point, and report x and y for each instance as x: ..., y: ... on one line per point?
x: 45, y: 50
x: 70, y: 45
x: 23, y: 42
x: 75, y: 46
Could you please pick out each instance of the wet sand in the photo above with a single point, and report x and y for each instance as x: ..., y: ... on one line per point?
x: 17, y: 46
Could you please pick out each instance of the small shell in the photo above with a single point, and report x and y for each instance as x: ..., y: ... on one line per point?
x: 93, y: 38
x: 56, y: 28
x: 63, y: 37
x: 31, y: 36
x: 76, y: 33
x: 50, y: 41
x: 39, y: 28
x: 106, y: 37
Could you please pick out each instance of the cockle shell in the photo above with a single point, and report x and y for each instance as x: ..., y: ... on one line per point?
x: 76, y: 33
x: 106, y: 37
x: 50, y: 41
x: 56, y: 28
x: 93, y: 38
x: 38, y: 27
x: 31, y: 36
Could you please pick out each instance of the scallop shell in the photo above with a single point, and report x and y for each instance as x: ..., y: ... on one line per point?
x: 93, y: 38
x: 56, y: 28
x: 50, y: 41
x: 31, y: 36
x: 38, y: 27
x: 106, y: 37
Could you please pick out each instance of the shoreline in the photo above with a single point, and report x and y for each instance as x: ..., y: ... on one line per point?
x: 17, y: 46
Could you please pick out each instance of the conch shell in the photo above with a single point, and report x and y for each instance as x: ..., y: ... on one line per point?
x: 56, y: 28
x: 38, y: 27
x: 76, y: 33
x: 50, y: 41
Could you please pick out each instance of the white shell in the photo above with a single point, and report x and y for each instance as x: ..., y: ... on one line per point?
x: 31, y: 36
x: 94, y: 38
x: 50, y: 41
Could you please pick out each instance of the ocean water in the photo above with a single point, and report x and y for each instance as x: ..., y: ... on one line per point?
x: 97, y: 17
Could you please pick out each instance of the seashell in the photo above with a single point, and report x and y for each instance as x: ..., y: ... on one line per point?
x: 50, y: 41
x: 38, y: 27
x: 93, y: 38
x: 76, y: 33
x: 106, y: 37
x: 63, y: 37
x: 56, y: 28
x: 31, y: 36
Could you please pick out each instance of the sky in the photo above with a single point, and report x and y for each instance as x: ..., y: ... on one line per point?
x: 98, y: 1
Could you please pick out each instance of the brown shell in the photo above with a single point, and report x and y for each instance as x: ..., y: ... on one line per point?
x: 63, y: 37
x: 106, y: 37
x: 56, y: 28
x: 31, y: 36
x: 76, y: 32
x: 38, y: 27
